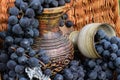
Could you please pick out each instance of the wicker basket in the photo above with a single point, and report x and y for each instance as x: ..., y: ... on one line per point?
x: 83, y: 12
x: 4, y: 5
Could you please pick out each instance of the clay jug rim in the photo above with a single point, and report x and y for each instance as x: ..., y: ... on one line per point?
x: 54, y: 10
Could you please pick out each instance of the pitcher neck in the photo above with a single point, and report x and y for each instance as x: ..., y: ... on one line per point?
x: 49, y: 28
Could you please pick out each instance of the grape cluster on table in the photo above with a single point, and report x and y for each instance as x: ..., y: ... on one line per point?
x: 17, y: 53
x: 109, y: 49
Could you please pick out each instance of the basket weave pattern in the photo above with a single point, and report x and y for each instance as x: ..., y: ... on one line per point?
x: 4, y: 6
x: 89, y: 11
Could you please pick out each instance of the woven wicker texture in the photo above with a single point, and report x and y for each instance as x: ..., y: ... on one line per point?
x: 4, y: 6
x: 83, y: 12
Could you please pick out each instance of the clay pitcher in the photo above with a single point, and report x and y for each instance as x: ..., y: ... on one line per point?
x: 57, y: 46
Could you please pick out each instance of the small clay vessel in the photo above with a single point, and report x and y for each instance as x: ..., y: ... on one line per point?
x: 57, y: 46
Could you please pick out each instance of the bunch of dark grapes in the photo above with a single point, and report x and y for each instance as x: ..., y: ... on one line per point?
x: 97, y: 69
x: 109, y: 49
x: 74, y: 71
x: 89, y: 69
x: 22, y: 29
x: 17, y: 53
x: 64, y: 21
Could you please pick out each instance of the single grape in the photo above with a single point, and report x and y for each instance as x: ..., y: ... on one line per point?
x: 97, y: 68
x: 47, y: 72
x: 69, y: 23
x: 25, y: 43
x: 114, y: 48
x: 41, y: 52
x: 113, y: 56
x: 73, y: 68
x: 30, y: 13
x: 17, y: 40
x: 40, y: 10
x: 3, y: 67
x: 9, y: 40
x: 91, y: 64
x: 4, y: 57
x: 54, y: 3
x: 12, y: 73
x: 14, y: 56
x: 11, y: 64
x: 61, y: 23
x: 74, y: 63
x: 101, y: 75
x: 118, y: 53
x: 101, y: 34
x: 34, y: 4
x: 19, y: 69
x: 114, y: 40
x: 117, y: 62
x: 61, y: 2
x: 17, y: 29
x: 99, y: 49
x: 93, y: 75
x: 68, y: 76
x: 22, y: 60
x: 65, y: 16
x: 111, y: 65
x: 32, y: 53
x: 20, y: 51
x: 66, y: 71
x: 45, y: 59
x: 109, y: 74
x: 33, y: 62
x: 104, y: 66
x: 106, y: 45
x: 31, y: 40
x: 24, y: 22
x: 106, y: 53
x: 29, y: 33
x: 14, y: 11
x: 18, y: 3
x: 58, y: 77
x: 36, y: 32
x: 34, y: 23
x: 75, y: 76
x: 23, y: 6
x: 81, y: 73
x: 3, y: 34
x: 12, y: 20
x: 5, y: 76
